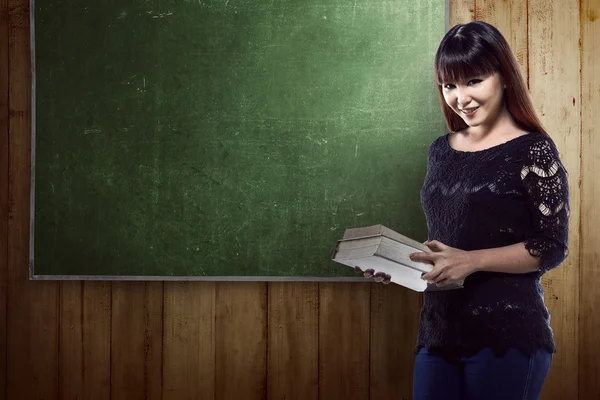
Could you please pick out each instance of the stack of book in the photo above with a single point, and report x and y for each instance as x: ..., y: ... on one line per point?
x: 384, y: 250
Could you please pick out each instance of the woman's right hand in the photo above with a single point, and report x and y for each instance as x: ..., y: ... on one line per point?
x: 377, y: 276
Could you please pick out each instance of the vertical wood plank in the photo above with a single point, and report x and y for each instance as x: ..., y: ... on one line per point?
x: 554, y: 60
x: 241, y: 340
x: 32, y: 308
x: 189, y: 341
x: 136, y: 342
x: 394, y: 323
x: 84, y: 340
x: 461, y: 11
x: 3, y: 189
x: 589, y: 368
x: 344, y: 341
x: 97, y: 301
x: 70, y: 361
x: 293, y: 358
x: 510, y: 17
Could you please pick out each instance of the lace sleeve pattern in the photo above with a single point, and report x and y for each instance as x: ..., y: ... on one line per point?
x: 545, y: 180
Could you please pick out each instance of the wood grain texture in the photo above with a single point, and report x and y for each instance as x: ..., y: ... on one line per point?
x: 394, y: 322
x: 554, y: 59
x: 3, y: 189
x: 96, y: 340
x: 461, y: 11
x: 589, y: 325
x: 136, y: 341
x: 70, y: 361
x: 344, y: 328
x: 32, y: 307
x: 84, y: 340
x: 241, y: 340
x: 293, y: 341
x: 189, y: 341
x: 510, y: 17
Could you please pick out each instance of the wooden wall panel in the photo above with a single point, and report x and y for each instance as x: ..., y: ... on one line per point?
x: 394, y: 321
x: 32, y: 308
x: 589, y: 367
x: 3, y: 188
x: 293, y: 356
x: 189, y: 341
x: 96, y: 340
x: 511, y: 19
x: 241, y: 341
x: 70, y: 360
x: 344, y: 327
x: 136, y: 341
x: 84, y: 340
x: 555, y: 85
x: 461, y: 11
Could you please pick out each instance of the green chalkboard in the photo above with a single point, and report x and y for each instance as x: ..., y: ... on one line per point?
x: 226, y: 138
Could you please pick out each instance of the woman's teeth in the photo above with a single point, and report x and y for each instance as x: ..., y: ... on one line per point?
x: 469, y: 110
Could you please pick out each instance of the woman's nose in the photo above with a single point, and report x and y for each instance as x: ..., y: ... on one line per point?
x: 462, y: 97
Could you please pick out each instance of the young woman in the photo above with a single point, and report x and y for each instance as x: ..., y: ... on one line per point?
x: 496, y: 201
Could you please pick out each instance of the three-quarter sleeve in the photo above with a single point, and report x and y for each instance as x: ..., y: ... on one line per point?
x: 545, y: 180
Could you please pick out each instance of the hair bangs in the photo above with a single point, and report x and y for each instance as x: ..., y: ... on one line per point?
x: 455, y: 63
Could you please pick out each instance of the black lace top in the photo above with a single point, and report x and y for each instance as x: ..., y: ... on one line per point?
x: 510, y: 193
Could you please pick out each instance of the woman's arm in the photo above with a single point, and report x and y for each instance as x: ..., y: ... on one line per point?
x: 451, y: 265
x: 513, y: 259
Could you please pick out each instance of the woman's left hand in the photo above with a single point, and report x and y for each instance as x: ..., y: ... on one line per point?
x: 450, y: 265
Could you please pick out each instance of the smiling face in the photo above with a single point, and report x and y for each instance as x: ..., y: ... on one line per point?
x: 478, y: 100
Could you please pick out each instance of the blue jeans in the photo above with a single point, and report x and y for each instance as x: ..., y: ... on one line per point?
x: 484, y: 376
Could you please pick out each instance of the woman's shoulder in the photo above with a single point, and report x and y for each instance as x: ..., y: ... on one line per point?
x: 539, y: 144
x: 439, y: 141
x: 541, y: 151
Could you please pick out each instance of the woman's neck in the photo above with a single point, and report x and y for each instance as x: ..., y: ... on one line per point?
x: 502, y: 128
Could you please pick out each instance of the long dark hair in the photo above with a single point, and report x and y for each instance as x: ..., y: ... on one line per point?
x: 478, y: 48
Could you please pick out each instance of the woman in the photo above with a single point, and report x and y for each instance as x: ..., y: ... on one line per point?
x: 496, y: 202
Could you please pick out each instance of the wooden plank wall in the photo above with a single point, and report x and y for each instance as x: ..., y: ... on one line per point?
x: 589, y: 267
x: 206, y: 340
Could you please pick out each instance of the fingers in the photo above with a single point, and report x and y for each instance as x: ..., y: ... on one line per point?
x: 423, y: 257
x: 440, y: 280
x: 377, y: 277
x: 433, y: 276
x: 367, y: 273
x: 382, y: 277
x: 435, y: 245
x: 442, y: 283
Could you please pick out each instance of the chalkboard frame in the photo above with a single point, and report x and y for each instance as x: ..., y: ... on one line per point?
x: 58, y: 277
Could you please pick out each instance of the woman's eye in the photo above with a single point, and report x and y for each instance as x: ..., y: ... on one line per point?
x: 474, y: 81
x: 448, y: 86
